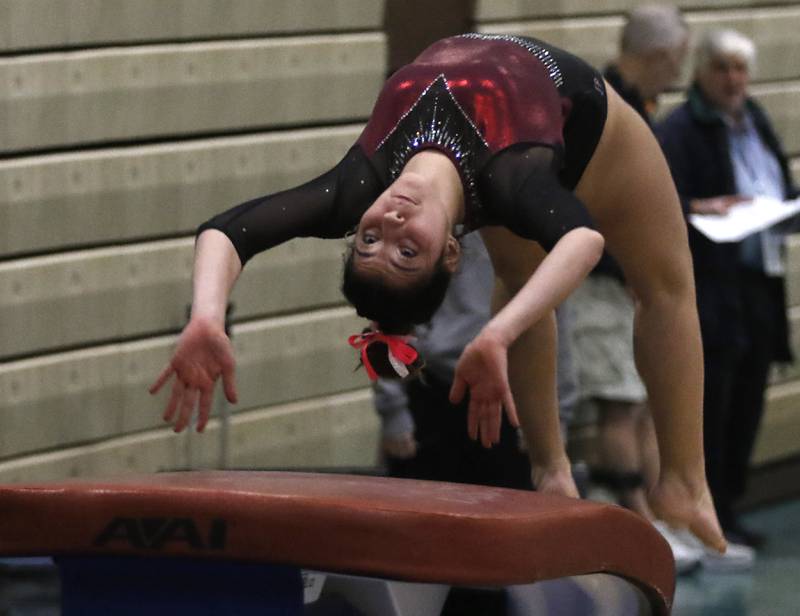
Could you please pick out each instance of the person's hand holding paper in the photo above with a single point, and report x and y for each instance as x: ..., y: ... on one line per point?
x: 731, y: 218
x: 717, y: 206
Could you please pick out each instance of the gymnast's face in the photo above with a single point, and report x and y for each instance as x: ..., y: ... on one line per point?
x: 404, y: 233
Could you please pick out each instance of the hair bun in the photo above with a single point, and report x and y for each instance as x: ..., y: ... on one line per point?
x: 387, y: 355
x: 378, y: 353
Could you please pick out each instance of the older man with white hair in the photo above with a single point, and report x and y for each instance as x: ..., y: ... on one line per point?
x: 721, y: 148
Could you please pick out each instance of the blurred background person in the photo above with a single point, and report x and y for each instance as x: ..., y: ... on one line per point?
x: 652, y: 49
x: 721, y: 148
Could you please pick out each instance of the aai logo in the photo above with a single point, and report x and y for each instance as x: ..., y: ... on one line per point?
x: 156, y: 533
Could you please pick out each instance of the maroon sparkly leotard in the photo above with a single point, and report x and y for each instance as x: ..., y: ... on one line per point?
x: 519, y: 119
x: 490, y: 80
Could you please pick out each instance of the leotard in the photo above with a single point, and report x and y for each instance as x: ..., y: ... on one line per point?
x: 519, y: 119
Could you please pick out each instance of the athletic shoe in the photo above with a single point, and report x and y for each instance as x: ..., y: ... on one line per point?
x: 601, y: 494
x: 687, y: 556
x: 737, y: 558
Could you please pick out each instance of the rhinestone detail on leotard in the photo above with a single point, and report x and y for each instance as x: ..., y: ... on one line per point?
x: 543, y: 55
x: 436, y: 120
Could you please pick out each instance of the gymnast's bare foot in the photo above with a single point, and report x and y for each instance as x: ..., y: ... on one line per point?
x: 554, y: 480
x: 686, y: 504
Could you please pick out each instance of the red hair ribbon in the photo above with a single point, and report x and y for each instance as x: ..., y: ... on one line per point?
x: 401, y: 354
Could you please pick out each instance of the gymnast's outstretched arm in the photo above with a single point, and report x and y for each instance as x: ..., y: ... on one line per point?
x: 324, y: 207
x: 523, y: 192
x: 203, y: 353
x: 529, y: 287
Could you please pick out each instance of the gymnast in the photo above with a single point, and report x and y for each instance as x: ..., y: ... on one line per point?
x: 527, y: 143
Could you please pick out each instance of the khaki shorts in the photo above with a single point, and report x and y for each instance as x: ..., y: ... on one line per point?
x: 603, y: 341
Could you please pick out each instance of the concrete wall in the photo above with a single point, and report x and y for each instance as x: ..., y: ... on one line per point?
x: 123, y: 125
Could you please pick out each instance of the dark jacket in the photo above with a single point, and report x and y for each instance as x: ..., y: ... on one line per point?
x: 695, y: 142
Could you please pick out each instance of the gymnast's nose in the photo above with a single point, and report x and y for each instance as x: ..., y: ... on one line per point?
x: 394, y: 217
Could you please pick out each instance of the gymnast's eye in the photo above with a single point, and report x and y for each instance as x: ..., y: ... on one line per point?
x: 369, y: 238
x: 408, y: 253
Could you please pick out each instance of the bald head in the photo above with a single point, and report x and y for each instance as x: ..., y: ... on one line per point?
x: 651, y: 27
x: 653, y: 46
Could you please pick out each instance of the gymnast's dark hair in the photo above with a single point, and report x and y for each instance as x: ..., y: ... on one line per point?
x: 395, y: 310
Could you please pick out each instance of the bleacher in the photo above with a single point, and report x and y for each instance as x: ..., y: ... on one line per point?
x: 124, y: 125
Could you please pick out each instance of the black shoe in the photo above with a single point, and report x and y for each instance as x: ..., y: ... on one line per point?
x: 737, y: 533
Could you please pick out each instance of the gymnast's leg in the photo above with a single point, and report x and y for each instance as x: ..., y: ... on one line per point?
x: 628, y: 190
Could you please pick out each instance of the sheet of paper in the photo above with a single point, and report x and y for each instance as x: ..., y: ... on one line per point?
x: 744, y: 219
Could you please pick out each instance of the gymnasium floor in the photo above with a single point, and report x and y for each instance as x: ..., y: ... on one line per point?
x: 771, y: 589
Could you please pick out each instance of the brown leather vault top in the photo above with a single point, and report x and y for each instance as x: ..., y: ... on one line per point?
x: 420, y: 531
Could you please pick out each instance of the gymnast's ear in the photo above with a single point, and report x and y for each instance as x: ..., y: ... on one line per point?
x: 452, y: 254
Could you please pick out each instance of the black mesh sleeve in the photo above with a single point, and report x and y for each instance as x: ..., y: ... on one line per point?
x: 520, y: 187
x: 326, y: 207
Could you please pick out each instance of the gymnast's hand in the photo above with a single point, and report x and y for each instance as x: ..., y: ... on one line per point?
x: 203, y: 354
x: 483, y: 369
